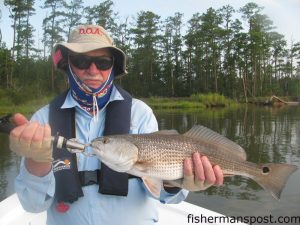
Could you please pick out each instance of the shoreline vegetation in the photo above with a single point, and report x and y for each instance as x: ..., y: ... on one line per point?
x: 199, y: 101
x: 27, y: 108
x: 196, y: 101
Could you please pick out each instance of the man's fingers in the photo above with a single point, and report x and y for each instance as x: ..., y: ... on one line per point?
x: 19, y: 119
x: 16, y: 132
x: 187, y: 167
x: 199, y: 171
x: 38, y: 134
x: 208, y: 170
x: 32, y: 140
x: 188, y: 179
x: 219, y: 175
x: 37, y: 138
x: 47, y: 131
x: 199, y: 174
x: 28, y: 132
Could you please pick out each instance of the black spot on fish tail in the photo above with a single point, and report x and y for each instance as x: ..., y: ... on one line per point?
x: 265, y: 170
x: 273, y: 177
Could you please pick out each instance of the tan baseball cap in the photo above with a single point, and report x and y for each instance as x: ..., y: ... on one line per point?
x: 86, y: 38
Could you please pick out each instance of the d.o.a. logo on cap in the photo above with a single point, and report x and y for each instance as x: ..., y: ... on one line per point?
x: 90, y: 30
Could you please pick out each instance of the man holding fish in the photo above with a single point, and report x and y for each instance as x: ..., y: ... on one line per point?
x: 80, y: 188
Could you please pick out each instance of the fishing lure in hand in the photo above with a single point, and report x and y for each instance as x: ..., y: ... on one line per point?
x: 73, y: 146
x: 6, y: 124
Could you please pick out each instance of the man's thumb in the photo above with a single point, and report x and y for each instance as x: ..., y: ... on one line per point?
x: 19, y: 119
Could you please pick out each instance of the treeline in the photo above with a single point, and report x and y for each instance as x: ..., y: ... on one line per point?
x: 233, y: 52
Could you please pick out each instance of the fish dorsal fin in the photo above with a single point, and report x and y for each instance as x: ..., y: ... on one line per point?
x: 224, y: 144
x: 154, y: 186
x: 166, y: 132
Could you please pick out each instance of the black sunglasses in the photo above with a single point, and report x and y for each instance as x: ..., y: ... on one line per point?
x: 84, y: 62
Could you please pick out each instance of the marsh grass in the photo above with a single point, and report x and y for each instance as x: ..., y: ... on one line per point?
x: 195, y: 101
x: 29, y: 107
x: 213, y: 100
x: 172, y: 103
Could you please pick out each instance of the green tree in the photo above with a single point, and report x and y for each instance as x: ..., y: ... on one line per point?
x: 216, y: 53
x: 193, y: 56
x: 0, y: 29
x: 228, y: 75
x: 145, y: 63
x: 172, y: 74
x: 204, y: 41
x: 278, y: 49
x: 74, y: 12
x: 20, y: 11
x: 5, y: 67
x: 259, y: 28
x: 27, y: 30
x: 23, y: 43
x: 102, y: 15
x: 53, y: 29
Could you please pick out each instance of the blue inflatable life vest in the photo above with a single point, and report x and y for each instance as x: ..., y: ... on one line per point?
x: 62, y: 121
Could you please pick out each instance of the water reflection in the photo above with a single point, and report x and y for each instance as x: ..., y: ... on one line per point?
x: 267, y: 135
x: 9, y: 165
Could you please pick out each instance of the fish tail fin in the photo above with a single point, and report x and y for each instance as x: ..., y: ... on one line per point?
x: 274, y: 177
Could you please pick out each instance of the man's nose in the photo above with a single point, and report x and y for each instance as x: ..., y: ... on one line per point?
x: 93, y: 70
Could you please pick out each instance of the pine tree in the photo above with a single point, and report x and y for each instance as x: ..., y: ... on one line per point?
x: 73, y: 14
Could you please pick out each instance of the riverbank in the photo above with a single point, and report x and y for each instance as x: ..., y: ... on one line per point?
x: 197, y: 101
x: 27, y: 108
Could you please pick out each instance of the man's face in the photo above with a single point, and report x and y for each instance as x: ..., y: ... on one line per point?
x: 92, y: 76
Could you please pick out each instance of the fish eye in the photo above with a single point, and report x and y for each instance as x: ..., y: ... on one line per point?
x: 105, y: 140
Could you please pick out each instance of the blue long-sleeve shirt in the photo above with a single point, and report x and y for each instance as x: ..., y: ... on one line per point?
x: 37, y: 194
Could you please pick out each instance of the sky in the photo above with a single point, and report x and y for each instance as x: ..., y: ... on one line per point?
x: 285, y: 14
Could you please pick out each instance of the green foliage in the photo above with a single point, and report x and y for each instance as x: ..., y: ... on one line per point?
x: 54, y: 31
x: 18, y: 97
x: 216, y: 54
x: 194, y: 101
x: 212, y: 100
x: 23, y: 41
x: 74, y: 11
x: 172, y: 103
x: 29, y: 107
x: 102, y: 15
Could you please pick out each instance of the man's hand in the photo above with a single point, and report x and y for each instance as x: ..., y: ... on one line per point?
x: 199, y: 174
x: 31, y: 140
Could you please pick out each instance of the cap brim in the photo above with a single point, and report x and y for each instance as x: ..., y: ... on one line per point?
x: 83, y: 47
x: 119, y: 55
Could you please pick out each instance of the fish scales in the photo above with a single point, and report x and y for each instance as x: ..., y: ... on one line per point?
x: 165, y: 155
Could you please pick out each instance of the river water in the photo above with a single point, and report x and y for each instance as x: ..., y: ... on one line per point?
x: 267, y: 135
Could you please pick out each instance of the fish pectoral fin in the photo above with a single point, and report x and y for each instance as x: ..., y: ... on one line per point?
x: 124, y: 166
x: 142, y: 166
x: 154, y: 186
x: 166, y: 132
x: 175, y: 183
